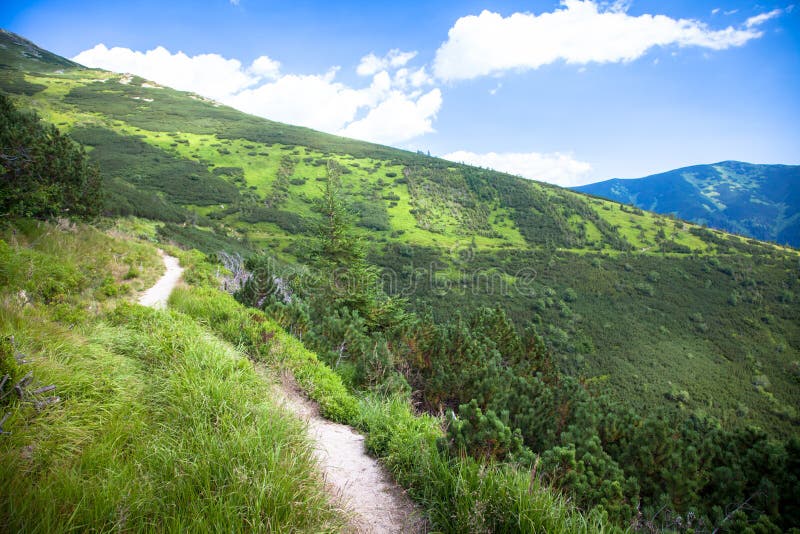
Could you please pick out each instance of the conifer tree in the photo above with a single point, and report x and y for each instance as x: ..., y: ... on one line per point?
x: 349, y: 280
x: 43, y: 173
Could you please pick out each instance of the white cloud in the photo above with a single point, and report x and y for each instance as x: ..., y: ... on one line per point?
x: 391, y: 109
x: 370, y: 64
x: 715, y: 11
x: 265, y: 67
x: 397, y: 116
x: 316, y: 101
x: 210, y: 75
x: 555, y: 168
x: 405, y: 78
x: 579, y: 32
x: 763, y: 17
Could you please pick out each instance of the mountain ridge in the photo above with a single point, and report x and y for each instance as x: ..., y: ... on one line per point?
x: 646, y: 365
x: 755, y: 200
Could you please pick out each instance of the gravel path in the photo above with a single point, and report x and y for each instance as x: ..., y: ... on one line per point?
x: 156, y: 296
x: 360, y: 481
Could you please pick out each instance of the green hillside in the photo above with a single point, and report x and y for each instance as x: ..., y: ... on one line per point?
x: 760, y: 201
x: 125, y: 418
x: 653, y: 307
x: 642, y: 359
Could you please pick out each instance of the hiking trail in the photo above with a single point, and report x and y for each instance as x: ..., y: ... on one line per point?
x: 356, y: 479
x: 156, y: 296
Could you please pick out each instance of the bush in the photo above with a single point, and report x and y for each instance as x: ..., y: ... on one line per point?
x: 151, y: 169
x: 43, y: 173
x: 484, y: 436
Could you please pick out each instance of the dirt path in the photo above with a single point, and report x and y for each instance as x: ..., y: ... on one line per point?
x: 358, y: 480
x: 379, y: 505
x: 156, y: 296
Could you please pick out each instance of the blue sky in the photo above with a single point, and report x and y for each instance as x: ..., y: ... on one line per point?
x: 569, y: 92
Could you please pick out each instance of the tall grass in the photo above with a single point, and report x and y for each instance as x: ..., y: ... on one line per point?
x: 76, y: 264
x: 164, y: 426
x: 161, y: 427
x: 462, y: 494
x: 458, y: 494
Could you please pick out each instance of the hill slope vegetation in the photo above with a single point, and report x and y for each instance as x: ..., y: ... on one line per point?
x: 635, y: 359
x: 760, y: 201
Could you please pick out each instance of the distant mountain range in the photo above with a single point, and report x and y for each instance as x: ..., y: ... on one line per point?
x: 760, y: 201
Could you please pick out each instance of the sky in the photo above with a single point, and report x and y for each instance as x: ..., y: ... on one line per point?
x: 568, y: 92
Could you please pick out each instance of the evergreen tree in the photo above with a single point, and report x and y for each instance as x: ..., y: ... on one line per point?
x: 348, y: 279
x: 43, y: 172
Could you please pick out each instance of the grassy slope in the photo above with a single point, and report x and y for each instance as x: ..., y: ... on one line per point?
x: 661, y: 305
x: 164, y: 426
x: 458, y: 494
x: 161, y: 425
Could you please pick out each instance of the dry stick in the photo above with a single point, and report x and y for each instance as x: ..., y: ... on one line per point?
x: 26, y: 379
x: 3, y: 420
x: 19, y: 387
x: 731, y: 514
x: 44, y: 389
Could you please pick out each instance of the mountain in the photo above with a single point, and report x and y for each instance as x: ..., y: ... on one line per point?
x: 642, y: 363
x: 760, y: 201
x: 646, y: 303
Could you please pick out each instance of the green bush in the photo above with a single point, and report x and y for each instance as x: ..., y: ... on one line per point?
x: 43, y: 173
x: 485, y: 436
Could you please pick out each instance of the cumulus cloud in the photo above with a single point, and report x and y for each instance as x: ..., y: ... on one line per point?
x: 389, y: 121
x: 370, y: 64
x: 265, y: 67
x: 391, y: 109
x: 406, y: 78
x: 316, y: 101
x: 555, y: 168
x: 214, y: 74
x: 579, y: 32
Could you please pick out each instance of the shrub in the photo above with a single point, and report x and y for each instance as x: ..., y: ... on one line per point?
x: 484, y: 436
x: 43, y: 173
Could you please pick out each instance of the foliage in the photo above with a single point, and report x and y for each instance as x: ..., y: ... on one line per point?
x: 124, y: 199
x: 43, y: 173
x: 287, y: 220
x: 458, y: 494
x: 150, y: 169
x: 590, y: 446
x: 485, y: 436
x: 209, y: 241
x: 663, y: 344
